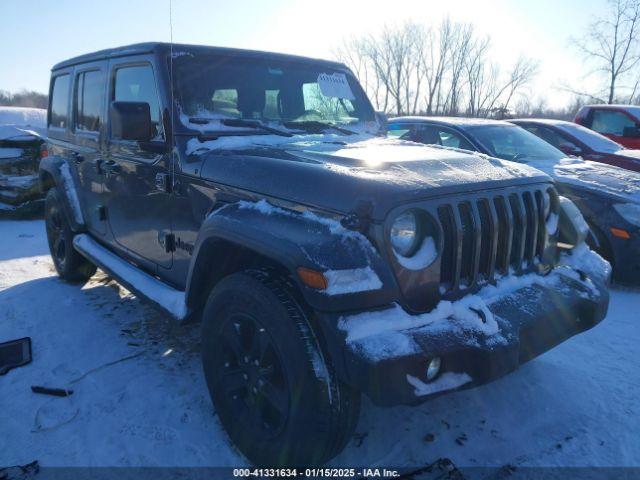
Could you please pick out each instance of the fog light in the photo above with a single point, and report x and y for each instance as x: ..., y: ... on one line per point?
x: 433, y: 368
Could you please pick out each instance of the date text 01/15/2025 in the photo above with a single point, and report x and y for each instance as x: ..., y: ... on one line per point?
x: 316, y: 472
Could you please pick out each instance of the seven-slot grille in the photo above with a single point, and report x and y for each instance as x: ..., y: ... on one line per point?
x: 491, y: 235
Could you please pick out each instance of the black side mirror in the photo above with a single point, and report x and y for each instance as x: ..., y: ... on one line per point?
x: 631, y: 132
x: 131, y: 121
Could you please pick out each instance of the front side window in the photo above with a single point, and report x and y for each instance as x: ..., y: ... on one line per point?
x: 514, y: 143
x: 137, y: 84
x: 217, y: 87
x: 88, y: 101
x: 59, y: 105
x: 611, y: 122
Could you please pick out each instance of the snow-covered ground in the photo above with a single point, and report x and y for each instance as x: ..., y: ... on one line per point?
x: 139, y: 397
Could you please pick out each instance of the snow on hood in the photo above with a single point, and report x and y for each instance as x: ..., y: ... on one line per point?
x: 397, y: 161
x: 17, y: 123
x: 364, y: 154
x: 594, y: 175
x: 384, y: 172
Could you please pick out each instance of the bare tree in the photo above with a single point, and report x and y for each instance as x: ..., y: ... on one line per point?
x: 435, y: 70
x: 612, y: 43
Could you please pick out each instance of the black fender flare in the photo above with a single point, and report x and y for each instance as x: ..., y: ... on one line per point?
x: 50, y: 176
x: 292, y: 240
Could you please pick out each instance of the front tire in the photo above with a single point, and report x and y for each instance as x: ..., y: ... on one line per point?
x: 70, y: 265
x: 274, y: 392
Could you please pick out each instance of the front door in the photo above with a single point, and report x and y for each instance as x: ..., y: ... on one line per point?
x: 137, y: 203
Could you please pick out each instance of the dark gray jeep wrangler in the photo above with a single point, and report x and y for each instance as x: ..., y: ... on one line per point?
x: 251, y: 191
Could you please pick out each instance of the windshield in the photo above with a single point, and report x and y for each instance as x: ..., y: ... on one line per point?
x: 591, y: 139
x: 215, y: 87
x: 514, y: 143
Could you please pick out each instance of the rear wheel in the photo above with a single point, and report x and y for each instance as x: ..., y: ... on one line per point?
x: 70, y: 265
x: 275, y: 393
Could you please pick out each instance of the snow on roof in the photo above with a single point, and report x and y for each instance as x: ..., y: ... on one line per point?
x: 545, y: 121
x: 460, y: 121
x: 25, y: 117
x: 20, y: 123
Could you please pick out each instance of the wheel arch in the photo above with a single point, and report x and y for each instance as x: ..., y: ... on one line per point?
x: 238, y: 236
x: 50, y: 177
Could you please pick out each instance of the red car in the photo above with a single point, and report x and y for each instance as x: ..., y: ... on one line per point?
x: 620, y: 123
x: 574, y: 139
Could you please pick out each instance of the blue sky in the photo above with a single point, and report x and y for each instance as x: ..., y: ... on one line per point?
x: 35, y: 35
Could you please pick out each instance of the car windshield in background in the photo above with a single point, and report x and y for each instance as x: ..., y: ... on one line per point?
x: 591, y: 139
x: 514, y: 143
x: 309, y: 96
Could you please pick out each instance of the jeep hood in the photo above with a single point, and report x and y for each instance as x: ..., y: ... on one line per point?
x: 324, y: 171
x: 593, y: 176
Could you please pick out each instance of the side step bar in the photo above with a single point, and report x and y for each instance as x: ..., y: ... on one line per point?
x: 134, y: 279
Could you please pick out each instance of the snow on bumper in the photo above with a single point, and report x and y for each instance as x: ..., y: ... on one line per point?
x: 480, y: 337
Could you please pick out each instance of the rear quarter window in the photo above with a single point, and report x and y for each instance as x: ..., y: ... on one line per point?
x: 59, y: 103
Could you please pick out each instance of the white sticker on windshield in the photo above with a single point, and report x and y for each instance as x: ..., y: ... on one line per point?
x: 335, y: 85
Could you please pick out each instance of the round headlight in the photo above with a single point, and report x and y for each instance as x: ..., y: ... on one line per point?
x: 404, y: 234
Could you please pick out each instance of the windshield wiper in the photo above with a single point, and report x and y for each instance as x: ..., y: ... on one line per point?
x: 316, y: 125
x: 240, y: 122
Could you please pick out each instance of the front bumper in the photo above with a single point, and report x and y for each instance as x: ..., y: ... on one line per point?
x: 531, y: 320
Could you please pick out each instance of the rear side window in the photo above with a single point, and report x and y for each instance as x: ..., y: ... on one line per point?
x: 59, y: 107
x: 88, y: 101
x: 137, y: 84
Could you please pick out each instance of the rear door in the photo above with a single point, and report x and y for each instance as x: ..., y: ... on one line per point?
x: 88, y: 106
x: 137, y: 203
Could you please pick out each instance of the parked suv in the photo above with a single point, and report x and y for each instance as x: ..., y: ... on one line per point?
x: 621, y: 123
x: 249, y: 190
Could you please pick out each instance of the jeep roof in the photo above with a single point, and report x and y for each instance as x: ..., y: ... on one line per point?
x: 158, y: 47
